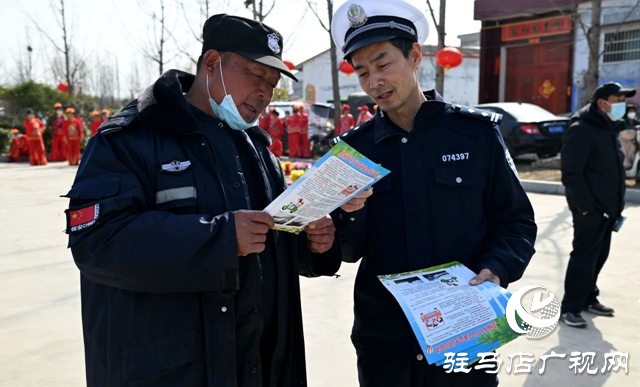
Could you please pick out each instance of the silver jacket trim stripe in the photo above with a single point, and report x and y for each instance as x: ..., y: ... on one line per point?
x: 169, y: 195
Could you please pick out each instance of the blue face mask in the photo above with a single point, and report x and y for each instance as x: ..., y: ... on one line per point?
x: 227, y: 111
x: 617, y: 110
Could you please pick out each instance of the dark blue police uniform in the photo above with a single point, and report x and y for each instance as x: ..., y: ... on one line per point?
x: 452, y: 194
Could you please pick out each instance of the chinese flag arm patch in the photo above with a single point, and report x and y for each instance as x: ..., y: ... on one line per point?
x: 82, y: 218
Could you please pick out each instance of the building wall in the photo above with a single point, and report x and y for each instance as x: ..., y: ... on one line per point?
x: 461, y: 83
x: 497, y: 78
x: 502, y: 9
x: 627, y: 73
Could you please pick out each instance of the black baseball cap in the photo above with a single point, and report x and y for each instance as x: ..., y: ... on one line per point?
x: 246, y: 37
x: 612, y: 88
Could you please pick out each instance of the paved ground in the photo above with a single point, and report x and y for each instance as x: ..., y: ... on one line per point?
x: 40, y: 328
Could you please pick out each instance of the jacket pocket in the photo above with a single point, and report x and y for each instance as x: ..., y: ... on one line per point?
x: 161, y: 355
x: 95, y: 188
x: 459, y: 192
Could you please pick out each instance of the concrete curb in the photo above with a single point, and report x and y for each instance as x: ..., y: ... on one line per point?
x: 554, y: 188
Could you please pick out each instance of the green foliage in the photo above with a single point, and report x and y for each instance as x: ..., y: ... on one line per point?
x: 280, y: 94
x: 30, y: 95
x: 5, y: 140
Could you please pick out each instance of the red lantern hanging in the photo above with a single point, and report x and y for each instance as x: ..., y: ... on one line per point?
x: 449, y: 57
x: 63, y: 87
x: 289, y: 64
x: 346, y: 68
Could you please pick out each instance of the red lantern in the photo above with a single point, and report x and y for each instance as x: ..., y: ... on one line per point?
x: 449, y: 57
x: 289, y: 64
x: 346, y: 68
x: 63, y: 87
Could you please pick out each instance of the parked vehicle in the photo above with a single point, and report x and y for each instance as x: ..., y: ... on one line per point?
x: 528, y: 128
x: 634, y: 171
x: 321, y: 128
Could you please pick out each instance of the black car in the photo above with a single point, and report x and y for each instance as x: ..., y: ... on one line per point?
x: 528, y: 128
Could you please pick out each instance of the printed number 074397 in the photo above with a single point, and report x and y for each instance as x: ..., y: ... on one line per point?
x: 455, y: 157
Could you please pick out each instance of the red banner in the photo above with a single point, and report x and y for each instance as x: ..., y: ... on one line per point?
x: 537, y: 28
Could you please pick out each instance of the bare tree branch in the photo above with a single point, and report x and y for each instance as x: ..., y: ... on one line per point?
x: 433, y: 15
x: 317, y: 16
x: 620, y: 25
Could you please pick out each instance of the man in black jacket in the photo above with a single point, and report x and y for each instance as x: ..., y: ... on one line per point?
x: 183, y: 282
x: 593, y: 175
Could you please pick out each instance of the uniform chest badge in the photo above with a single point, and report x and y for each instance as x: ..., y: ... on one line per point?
x: 273, y: 42
x: 455, y: 157
x: 356, y: 15
x: 176, y: 166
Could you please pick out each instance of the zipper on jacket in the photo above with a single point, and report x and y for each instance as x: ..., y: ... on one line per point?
x: 244, y: 182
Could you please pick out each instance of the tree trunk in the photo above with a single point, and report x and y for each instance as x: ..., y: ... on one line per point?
x: 67, y: 54
x: 591, y: 77
x: 334, y: 71
x: 441, y: 36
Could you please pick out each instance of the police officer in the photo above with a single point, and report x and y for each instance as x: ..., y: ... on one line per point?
x: 452, y: 193
x: 183, y: 282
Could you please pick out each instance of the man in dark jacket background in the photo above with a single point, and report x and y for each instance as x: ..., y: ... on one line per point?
x: 594, y: 178
x: 183, y: 282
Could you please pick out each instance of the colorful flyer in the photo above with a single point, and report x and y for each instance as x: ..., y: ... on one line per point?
x: 449, y: 315
x: 333, y: 180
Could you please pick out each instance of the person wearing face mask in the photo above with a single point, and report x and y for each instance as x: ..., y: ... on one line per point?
x: 55, y: 129
x: 628, y: 136
x: 183, y: 281
x: 594, y: 180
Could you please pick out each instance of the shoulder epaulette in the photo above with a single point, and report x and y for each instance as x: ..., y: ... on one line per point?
x: 122, y: 120
x: 353, y: 132
x: 478, y: 114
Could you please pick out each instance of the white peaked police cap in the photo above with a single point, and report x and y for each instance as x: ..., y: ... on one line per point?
x: 359, y: 23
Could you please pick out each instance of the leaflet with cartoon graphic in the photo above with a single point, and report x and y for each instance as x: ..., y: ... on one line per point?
x: 333, y: 180
x: 449, y: 315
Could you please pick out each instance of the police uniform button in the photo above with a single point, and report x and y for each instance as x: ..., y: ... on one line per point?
x: 236, y: 185
x: 352, y: 219
x: 255, y: 309
x: 458, y: 180
x: 254, y: 370
x: 419, y: 357
x: 404, y: 140
x: 224, y: 309
x: 221, y: 125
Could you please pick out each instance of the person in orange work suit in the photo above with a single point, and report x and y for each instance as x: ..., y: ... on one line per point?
x: 293, y: 131
x: 55, y: 128
x: 34, y: 128
x: 19, y: 146
x: 276, y: 130
x: 74, y: 134
x: 364, y: 115
x: 305, y: 147
x: 263, y: 121
x: 346, y: 121
x: 95, y: 124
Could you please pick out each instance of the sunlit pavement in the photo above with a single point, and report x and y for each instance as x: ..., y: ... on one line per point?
x: 40, y: 326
